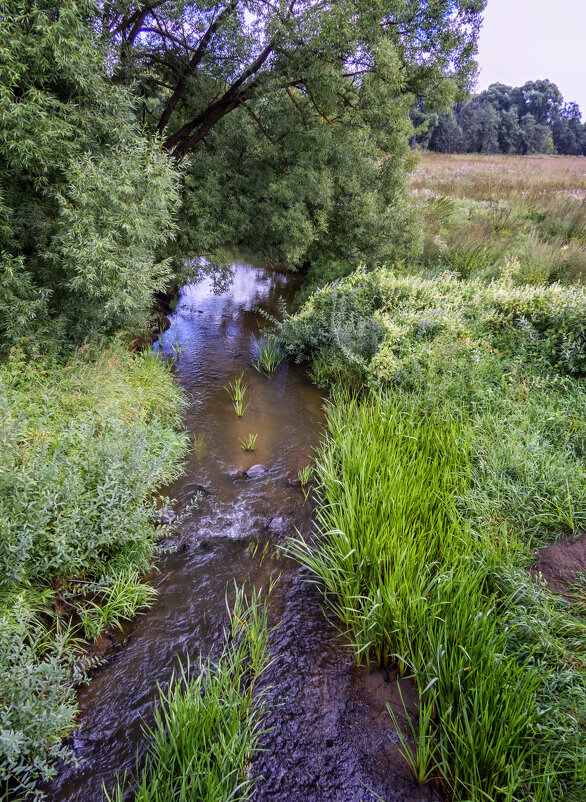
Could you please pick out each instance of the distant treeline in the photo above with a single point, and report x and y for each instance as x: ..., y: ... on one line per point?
x: 532, y: 118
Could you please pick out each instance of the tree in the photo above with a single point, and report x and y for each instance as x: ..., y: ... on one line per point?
x: 536, y: 137
x: 290, y: 118
x: 85, y: 199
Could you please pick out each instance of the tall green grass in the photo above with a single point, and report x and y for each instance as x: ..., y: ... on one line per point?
x: 208, y: 723
x: 411, y: 582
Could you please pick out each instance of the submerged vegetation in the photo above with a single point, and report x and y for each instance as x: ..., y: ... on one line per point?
x: 208, y: 723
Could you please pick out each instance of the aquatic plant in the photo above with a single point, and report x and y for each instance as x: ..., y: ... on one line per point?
x: 304, y: 475
x: 208, y: 723
x: 249, y: 442
x: 236, y: 389
x: 199, y: 445
x: 268, y: 355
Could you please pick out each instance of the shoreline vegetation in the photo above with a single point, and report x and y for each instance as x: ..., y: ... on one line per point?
x: 208, y: 722
x: 84, y: 445
x: 459, y: 450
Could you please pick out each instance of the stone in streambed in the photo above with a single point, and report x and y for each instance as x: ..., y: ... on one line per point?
x: 278, y: 525
x: 255, y: 471
x: 165, y: 515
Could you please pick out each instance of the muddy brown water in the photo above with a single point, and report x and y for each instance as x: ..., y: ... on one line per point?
x: 330, y: 737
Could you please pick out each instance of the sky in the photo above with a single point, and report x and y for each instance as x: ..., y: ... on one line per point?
x: 525, y: 40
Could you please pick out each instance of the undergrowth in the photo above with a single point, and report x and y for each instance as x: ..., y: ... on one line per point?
x: 83, y: 447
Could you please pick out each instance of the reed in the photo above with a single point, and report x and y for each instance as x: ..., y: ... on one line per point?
x: 236, y: 389
x: 268, y: 355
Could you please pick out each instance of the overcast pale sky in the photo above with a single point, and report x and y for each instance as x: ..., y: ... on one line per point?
x: 524, y: 40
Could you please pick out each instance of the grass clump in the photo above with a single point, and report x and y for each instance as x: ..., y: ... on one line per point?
x: 249, y: 442
x: 83, y: 447
x: 208, y: 724
x: 412, y: 582
x: 236, y: 389
x: 268, y: 355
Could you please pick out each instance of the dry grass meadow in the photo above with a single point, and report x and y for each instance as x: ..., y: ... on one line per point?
x: 525, y: 214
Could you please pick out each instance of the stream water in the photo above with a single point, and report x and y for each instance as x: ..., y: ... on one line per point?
x: 330, y: 737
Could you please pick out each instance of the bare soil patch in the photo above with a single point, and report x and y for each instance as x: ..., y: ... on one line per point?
x: 561, y: 563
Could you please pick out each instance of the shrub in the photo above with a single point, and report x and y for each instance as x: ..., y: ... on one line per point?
x: 83, y: 447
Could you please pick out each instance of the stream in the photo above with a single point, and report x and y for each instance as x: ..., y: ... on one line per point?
x: 331, y: 739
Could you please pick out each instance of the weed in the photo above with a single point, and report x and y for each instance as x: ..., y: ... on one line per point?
x: 236, y: 389
x: 249, y: 442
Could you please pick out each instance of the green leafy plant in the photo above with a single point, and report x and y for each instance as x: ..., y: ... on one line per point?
x: 236, y: 389
x: 249, y: 442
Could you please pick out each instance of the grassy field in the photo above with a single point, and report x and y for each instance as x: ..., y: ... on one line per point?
x: 461, y: 450
x: 481, y: 212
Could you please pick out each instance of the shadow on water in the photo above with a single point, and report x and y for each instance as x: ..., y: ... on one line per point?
x: 329, y: 736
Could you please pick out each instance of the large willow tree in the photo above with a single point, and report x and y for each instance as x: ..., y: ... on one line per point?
x: 291, y: 118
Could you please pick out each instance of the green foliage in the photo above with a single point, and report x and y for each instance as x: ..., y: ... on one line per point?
x: 83, y: 446
x: 411, y: 581
x: 85, y: 199
x: 249, y: 442
x: 527, y: 119
x: 491, y: 349
x: 208, y: 725
x: 38, y: 699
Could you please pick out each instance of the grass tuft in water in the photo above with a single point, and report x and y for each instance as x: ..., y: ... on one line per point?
x: 208, y: 722
x: 268, y: 355
x: 249, y: 442
x: 236, y: 389
x: 304, y: 475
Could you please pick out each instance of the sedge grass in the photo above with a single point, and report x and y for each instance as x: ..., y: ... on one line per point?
x: 208, y: 723
x: 236, y: 389
x: 410, y: 582
x: 268, y: 356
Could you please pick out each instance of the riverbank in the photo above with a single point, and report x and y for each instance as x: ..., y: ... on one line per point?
x: 84, y: 445
x: 455, y: 451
